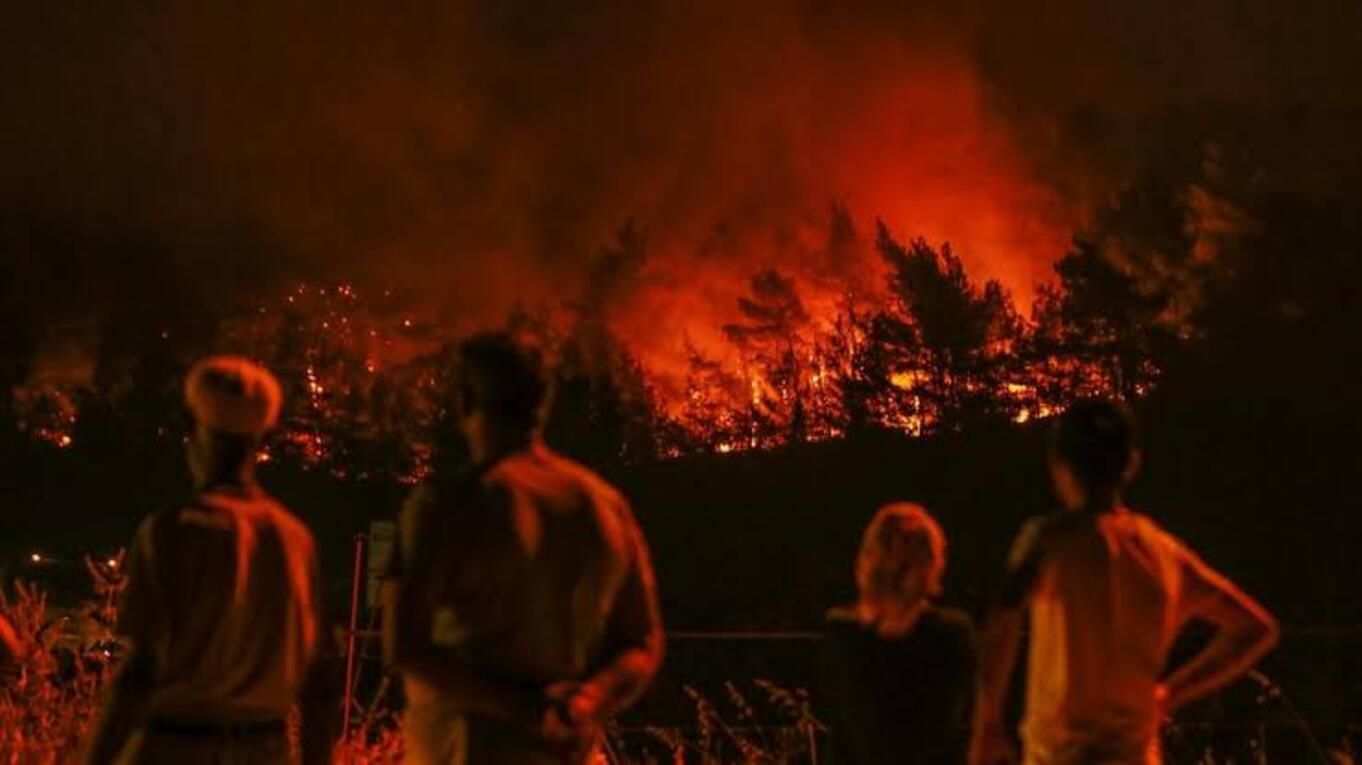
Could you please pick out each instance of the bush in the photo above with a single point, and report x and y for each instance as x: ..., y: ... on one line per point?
x: 50, y: 695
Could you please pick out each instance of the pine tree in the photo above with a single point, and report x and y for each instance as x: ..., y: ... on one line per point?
x: 772, y: 340
x: 951, y: 345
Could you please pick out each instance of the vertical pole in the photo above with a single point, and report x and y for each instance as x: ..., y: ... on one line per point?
x: 350, y: 641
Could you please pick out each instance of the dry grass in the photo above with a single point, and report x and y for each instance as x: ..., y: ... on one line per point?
x: 49, y: 698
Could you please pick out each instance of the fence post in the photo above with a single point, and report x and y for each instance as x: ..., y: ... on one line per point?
x: 350, y: 637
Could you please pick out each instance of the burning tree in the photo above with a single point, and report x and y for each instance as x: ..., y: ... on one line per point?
x: 361, y: 391
x: 1131, y: 291
x: 776, y: 360
x: 843, y: 338
x: 950, y: 347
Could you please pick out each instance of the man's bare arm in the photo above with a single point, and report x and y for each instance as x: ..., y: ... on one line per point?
x: 124, y: 710
x: 634, y: 638
x: 407, y: 647
x: 1244, y: 633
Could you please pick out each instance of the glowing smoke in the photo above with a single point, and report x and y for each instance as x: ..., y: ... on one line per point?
x: 484, y: 152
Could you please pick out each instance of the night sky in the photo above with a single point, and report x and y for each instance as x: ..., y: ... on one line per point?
x: 484, y: 151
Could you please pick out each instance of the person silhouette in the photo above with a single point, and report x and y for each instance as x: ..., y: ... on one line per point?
x: 1107, y: 591
x: 519, y: 604
x: 898, y: 669
x: 221, y: 607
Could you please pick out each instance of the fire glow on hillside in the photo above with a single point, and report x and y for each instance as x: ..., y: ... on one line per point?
x: 686, y: 211
x: 924, y: 351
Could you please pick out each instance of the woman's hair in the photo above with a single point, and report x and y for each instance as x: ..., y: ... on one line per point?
x: 901, y: 539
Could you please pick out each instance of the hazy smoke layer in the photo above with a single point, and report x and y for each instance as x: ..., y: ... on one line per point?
x: 485, y: 151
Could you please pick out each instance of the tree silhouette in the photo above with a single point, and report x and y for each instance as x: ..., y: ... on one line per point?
x: 603, y: 410
x: 860, y: 365
x: 715, y: 415
x: 951, y: 345
x: 772, y: 340
x: 1130, y: 287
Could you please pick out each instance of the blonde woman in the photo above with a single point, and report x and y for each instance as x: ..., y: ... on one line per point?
x: 899, y: 669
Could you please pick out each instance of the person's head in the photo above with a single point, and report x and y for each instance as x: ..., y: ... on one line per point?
x: 902, y: 559
x: 234, y: 402
x: 502, y: 392
x: 1093, y: 454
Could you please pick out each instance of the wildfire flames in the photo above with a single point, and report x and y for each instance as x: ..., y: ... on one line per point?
x: 473, y: 167
x: 792, y: 360
x: 746, y: 294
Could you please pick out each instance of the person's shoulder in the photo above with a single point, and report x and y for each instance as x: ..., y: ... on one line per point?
x: 570, y: 467
x: 1152, y: 534
x: 191, y: 513
x: 1038, y: 533
x: 1141, y: 522
x: 1057, y: 527
x: 590, y: 483
x: 167, y: 528
x: 166, y: 517
x: 445, y: 488
x: 1042, y: 524
x: 156, y: 528
x: 842, y: 628
x: 291, y: 529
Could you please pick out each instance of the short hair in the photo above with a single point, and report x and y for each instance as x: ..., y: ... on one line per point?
x: 1096, y: 439
x: 502, y: 376
x: 902, y: 535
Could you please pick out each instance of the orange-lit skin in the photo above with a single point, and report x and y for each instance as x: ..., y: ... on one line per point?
x: 1245, y: 631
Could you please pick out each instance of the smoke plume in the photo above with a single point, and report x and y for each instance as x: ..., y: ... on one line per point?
x: 485, y: 152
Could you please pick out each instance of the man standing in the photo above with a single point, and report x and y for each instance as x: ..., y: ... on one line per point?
x: 221, y: 608
x: 519, y: 606
x: 1108, y: 591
